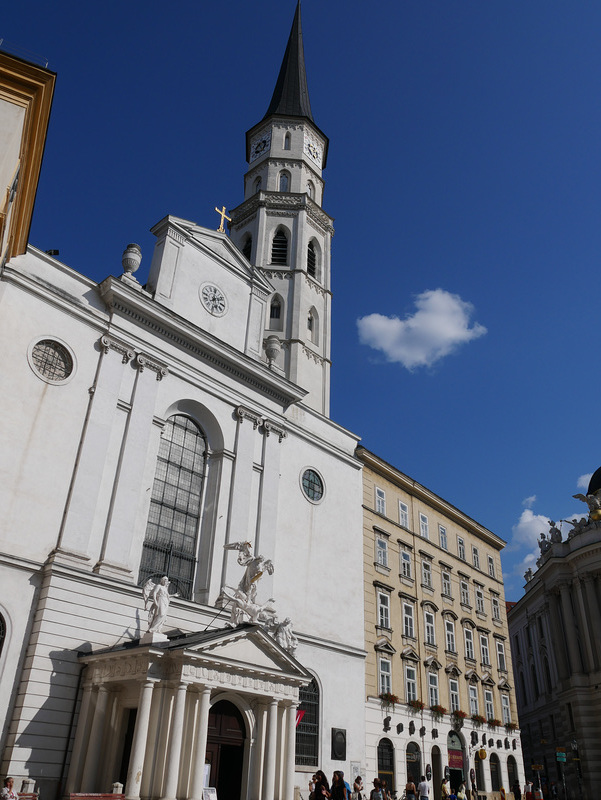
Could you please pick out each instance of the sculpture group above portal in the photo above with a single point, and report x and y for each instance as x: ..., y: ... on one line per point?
x: 244, y: 607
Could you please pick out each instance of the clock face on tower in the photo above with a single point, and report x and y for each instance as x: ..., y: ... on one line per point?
x: 260, y: 145
x: 213, y: 299
x: 313, y: 148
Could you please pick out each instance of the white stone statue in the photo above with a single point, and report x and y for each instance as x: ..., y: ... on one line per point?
x: 282, y: 633
x: 245, y: 610
x: 554, y: 532
x: 593, y: 502
x: 255, y: 566
x: 156, y: 602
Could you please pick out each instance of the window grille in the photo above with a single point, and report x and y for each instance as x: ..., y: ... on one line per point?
x: 173, y: 520
x: 279, y: 248
x: 52, y: 360
x: 311, y: 260
x: 307, y: 730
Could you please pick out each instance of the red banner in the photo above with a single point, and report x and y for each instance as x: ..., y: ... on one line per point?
x: 299, y: 715
x: 455, y: 759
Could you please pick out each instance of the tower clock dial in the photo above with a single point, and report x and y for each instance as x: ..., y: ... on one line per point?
x: 260, y: 145
x: 313, y: 149
x: 213, y: 299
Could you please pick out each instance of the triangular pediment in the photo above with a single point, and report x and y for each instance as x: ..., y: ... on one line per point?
x: 248, y: 647
x: 384, y: 646
x: 410, y: 654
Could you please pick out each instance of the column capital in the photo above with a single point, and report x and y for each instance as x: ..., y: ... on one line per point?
x: 108, y: 342
x: 145, y: 362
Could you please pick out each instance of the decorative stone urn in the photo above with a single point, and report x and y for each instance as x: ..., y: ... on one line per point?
x: 131, y: 258
x: 273, y: 347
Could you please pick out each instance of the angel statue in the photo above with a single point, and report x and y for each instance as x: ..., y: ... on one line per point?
x: 156, y: 602
x: 254, y: 568
x: 593, y: 502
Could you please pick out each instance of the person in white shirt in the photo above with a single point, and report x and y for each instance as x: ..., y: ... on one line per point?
x: 423, y: 789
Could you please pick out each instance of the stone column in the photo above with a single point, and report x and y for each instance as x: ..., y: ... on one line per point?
x: 175, y: 745
x: 200, y: 748
x: 94, y: 751
x: 587, y: 646
x: 123, y: 512
x: 74, y: 779
x: 568, y: 624
x: 259, y: 759
x: 138, y: 747
x: 595, y: 616
x: 558, y: 646
x: 290, y: 748
x: 270, y: 752
x: 273, y: 435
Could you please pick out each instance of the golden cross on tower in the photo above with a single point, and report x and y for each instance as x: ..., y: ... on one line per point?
x: 221, y: 229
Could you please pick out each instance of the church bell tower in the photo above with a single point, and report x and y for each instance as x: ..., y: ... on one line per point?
x: 282, y: 229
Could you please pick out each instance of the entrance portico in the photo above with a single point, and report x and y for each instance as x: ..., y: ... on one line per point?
x: 234, y: 689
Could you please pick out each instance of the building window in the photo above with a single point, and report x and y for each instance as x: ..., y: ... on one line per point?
x: 465, y: 593
x: 473, y: 695
x: 307, y: 730
x: 311, y: 260
x: 484, y: 649
x: 257, y: 185
x: 381, y: 551
x: 433, y: 697
x: 489, y: 709
x: 312, y: 326
x: 2, y: 633
x: 170, y: 544
x: 443, y: 537
x: 311, y: 190
x: 279, y: 248
x: 505, y: 709
x: 430, y: 628
x: 450, y: 635
x: 479, y: 601
x: 491, y: 566
x: 51, y: 361
x: 410, y: 683
x: 408, y: 621
x: 461, y: 548
x: 312, y: 485
x: 469, y: 643
x: 454, y: 694
x: 287, y: 141
x: 247, y: 247
x: 383, y: 610
x: 284, y: 182
x: 275, y: 314
x: 385, y: 676
x: 405, y: 564
x: 475, y: 557
x: 496, y: 609
x: 403, y: 514
x: 423, y: 525
x: 501, y: 656
x: 427, y: 574
x: 446, y: 583
x: 380, y: 501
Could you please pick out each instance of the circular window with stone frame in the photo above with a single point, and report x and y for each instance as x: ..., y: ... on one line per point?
x: 51, y: 360
x: 312, y: 484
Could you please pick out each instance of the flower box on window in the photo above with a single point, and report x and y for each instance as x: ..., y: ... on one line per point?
x: 438, y: 711
x: 389, y: 699
x: 417, y: 705
x: 478, y: 720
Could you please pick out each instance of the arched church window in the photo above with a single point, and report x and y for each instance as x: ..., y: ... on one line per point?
x: 311, y: 190
x: 279, y: 248
x: 311, y: 260
x: 2, y: 632
x: 307, y: 730
x: 313, y: 326
x: 287, y: 141
x: 284, y: 182
x: 257, y: 185
x: 170, y: 545
x: 275, y: 314
x: 247, y: 247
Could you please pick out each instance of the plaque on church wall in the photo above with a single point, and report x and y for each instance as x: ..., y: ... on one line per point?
x: 209, y: 793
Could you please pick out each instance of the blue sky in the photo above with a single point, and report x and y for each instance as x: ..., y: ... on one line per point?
x: 464, y: 178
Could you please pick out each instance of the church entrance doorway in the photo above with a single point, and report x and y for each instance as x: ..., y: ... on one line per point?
x: 225, y: 749
x: 455, y: 757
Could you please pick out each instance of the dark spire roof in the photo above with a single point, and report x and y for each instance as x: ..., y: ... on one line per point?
x: 291, y: 95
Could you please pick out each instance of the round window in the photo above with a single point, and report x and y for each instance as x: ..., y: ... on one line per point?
x: 312, y: 484
x: 51, y: 360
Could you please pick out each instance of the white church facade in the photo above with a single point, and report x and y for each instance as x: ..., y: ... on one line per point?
x: 157, y: 429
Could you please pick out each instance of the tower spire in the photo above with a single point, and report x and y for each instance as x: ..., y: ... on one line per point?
x: 291, y: 95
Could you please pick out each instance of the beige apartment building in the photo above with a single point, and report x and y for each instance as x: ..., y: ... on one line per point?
x: 439, y: 685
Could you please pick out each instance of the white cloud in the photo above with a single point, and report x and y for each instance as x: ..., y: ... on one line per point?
x: 439, y: 326
x: 526, y: 532
x: 528, y: 502
x: 584, y: 480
